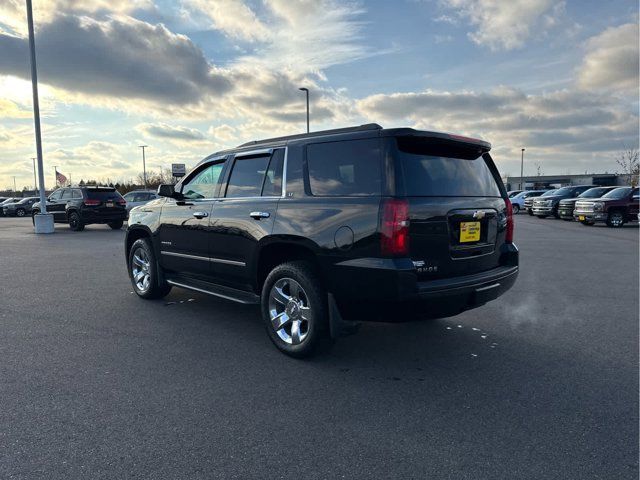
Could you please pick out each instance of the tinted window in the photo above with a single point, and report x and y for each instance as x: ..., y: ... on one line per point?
x: 103, y: 194
x: 345, y: 168
x: 56, y: 195
x: 66, y: 194
x: 205, y: 182
x: 428, y: 170
x: 77, y: 194
x: 129, y: 197
x: 273, y: 181
x: 593, y: 193
x: 549, y: 193
x: 618, y: 193
x: 247, y: 176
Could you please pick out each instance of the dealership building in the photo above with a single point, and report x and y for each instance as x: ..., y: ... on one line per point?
x: 554, y: 181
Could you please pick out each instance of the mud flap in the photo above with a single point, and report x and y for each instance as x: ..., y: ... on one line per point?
x: 338, y: 326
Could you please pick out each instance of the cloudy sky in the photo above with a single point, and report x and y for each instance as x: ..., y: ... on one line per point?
x: 189, y: 77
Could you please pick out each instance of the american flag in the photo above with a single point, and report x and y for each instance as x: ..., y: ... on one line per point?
x: 60, y: 178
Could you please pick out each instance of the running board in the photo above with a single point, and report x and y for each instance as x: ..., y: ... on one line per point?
x: 227, y: 293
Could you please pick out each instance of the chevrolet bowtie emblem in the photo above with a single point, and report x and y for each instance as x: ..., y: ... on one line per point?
x: 479, y: 215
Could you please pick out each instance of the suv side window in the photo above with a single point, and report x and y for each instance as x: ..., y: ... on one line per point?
x: 272, y: 186
x: 204, y: 183
x: 55, y: 195
x: 66, y: 194
x: 345, y: 168
x: 247, y: 176
x: 76, y: 193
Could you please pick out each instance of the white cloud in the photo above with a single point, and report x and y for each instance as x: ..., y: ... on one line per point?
x: 505, y: 24
x: 162, y: 130
x: 611, y: 62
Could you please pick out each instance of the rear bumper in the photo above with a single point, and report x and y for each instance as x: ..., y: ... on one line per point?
x: 101, y: 217
x: 388, y: 289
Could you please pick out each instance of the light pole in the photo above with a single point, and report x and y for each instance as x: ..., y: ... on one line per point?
x: 15, y: 190
x: 35, y: 181
x: 306, y: 90
x: 521, y: 168
x: 144, y: 166
x: 42, y: 222
x: 55, y: 174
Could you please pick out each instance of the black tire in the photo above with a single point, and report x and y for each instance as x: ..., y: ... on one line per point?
x: 75, y: 222
x: 516, y: 209
x: 313, y: 295
x: 556, y: 214
x: 116, y: 225
x: 567, y: 219
x: 615, y: 219
x: 587, y: 223
x: 530, y: 212
x: 21, y: 212
x: 541, y: 216
x: 154, y: 289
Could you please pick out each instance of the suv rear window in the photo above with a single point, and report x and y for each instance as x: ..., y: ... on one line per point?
x: 435, y: 170
x: 348, y: 168
x: 103, y: 194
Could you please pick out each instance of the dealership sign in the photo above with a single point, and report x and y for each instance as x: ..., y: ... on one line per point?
x: 178, y: 170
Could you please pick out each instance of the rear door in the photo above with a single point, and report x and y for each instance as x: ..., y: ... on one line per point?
x: 55, y: 205
x: 184, y: 224
x: 244, y: 214
x: 456, y: 207
x: 634, y: 204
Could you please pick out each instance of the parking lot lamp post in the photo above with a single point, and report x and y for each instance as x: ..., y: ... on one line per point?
x: 521, y: 169
x: 43, y: 222
x: 35, y: 179
x: 144, y: 166
x: 306, y: 90
x: 14, y: 184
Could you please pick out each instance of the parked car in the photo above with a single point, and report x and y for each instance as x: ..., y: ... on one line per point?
x: 513, y: 193
x: 327, y: 228
x: 19, y: 209
x: 528, y: 203
x: 566, y: 206
x: 136, y: 198
x: 614, y: 208
x: 7, y: 201
x: 543, y: 207
x: 519, y: 200
x: 80, y: 206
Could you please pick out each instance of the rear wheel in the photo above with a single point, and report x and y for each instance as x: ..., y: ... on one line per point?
x: 294, y: 309
x: 21, y: 212
x: 143, y: 271
x: 116, y: 225
x: 75, y: 222
x: 615, y: 219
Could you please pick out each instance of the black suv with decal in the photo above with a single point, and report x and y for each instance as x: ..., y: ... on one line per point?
x: 80, y: 206
x: 330, y: 228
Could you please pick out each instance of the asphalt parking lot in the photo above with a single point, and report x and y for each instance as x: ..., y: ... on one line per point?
x: 96, y: 383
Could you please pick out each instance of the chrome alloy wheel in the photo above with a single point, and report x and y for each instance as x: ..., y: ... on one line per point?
x: 140, y: 271
x: 289, y: 311
x: 616, y: 219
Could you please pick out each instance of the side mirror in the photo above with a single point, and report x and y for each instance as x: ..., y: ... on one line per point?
x: 167, y: 190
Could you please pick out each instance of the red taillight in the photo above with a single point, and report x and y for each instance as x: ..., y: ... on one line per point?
x: 122, y: 201
x: 509, y: 234
x: 394, y: 227
x: 91, y: 202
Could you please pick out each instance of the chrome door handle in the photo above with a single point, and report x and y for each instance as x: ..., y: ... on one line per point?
x: 259, y: 215
x: 200, y: 214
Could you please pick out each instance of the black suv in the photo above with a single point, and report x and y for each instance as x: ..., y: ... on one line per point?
x: 546, y: 205
x: 19, y: 208
x: 80, y: 206
x: 332, y: 227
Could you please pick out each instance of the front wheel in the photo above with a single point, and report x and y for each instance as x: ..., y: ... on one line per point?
x: 294, y: 309
x: 615, y: 220
x: 75, y: 222
x: 143, y: 271
x: 516, y: 209
x: 116, y: 225
x: 530, y: 212
x: 21, y: 212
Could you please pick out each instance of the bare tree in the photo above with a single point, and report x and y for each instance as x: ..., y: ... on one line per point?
x: 539, y: 169
x: 628, y: 161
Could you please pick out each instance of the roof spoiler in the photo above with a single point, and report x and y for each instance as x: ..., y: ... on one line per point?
x: 336, y: 131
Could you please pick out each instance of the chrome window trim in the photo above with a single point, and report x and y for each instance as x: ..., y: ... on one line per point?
x: 205, y: 259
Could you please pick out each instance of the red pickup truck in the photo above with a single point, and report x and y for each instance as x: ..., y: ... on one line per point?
x: 615, y: 208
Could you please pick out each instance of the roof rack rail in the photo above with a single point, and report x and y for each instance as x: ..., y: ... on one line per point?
x: 335, y: 131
